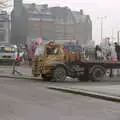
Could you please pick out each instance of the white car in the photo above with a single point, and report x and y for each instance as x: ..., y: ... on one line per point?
x: 8, y: 53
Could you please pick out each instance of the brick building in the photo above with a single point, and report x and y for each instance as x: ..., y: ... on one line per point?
x: 58, y: 23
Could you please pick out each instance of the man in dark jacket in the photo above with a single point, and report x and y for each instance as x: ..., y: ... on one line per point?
x: 98, y: 50
x: 117, y: 49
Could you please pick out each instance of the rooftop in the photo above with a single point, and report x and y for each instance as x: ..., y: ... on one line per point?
x: 57, y: 13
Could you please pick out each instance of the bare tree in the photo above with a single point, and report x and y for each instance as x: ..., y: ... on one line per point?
x: 5, y: 4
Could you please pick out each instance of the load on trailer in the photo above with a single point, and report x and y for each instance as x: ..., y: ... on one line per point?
x: 60, y: 61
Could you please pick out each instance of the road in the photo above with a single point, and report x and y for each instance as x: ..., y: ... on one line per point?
x: 31, y: 100
x: 24, y: 69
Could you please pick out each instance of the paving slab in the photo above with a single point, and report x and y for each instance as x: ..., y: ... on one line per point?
x: 24, y: 70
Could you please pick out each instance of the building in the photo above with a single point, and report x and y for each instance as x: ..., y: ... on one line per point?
x: 4, y: 27
x: 58, y: 23
x: 19, y: 23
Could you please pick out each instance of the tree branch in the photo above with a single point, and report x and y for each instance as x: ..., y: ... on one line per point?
x: 4, y: 3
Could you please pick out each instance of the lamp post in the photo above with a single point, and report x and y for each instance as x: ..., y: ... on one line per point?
x: 118, y: 36
x: 101, y: 23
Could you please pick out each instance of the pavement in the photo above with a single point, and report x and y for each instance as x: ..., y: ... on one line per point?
x: 106, y: 92
x: 25, y: 72
x: 31, y: 100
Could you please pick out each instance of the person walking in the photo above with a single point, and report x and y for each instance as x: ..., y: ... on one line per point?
x: 117, y: 49
x: 98, y: 53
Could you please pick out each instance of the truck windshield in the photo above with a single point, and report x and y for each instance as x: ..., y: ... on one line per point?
x: 52, y: 51
x: 7, y: 49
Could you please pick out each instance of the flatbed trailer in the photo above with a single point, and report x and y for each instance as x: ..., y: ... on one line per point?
x: 106, y: 64
x: 94, y: 70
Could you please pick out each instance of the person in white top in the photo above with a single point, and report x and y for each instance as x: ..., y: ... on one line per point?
x: 39, y: 50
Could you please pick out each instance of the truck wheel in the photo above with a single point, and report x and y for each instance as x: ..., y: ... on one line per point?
x: 98, y: 74
x: 59, y: 74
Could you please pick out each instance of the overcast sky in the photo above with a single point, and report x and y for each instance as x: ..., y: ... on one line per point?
x: 95, y: 8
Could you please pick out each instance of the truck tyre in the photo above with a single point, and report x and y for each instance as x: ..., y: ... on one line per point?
x: 98, y: 73
x: 59, y: 74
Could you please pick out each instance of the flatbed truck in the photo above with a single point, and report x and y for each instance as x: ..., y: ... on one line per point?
x: 59, y: 65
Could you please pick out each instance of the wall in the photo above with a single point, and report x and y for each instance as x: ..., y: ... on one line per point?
x: 44, y: 29
x: 50, y: 31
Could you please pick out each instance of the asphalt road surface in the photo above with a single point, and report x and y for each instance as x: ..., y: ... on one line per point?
x: 30, y: 100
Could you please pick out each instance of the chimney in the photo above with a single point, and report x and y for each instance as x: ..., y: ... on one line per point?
x: 81, y: 12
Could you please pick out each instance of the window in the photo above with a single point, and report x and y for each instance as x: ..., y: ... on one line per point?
x: 1, y: 25
x: 2, y: 36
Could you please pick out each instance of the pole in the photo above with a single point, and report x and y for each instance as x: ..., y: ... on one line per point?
x: 8, y: 29
x: 101, y: 22
x: 40, y: 24
x: 118, y: 36
x: 112, y: 35
x: 101, y: 29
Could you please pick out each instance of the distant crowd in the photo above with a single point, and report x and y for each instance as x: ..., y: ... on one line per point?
x: 111, y: 52
x: 102, y: 52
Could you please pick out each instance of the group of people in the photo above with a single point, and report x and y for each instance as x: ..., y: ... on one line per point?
x: 111, y: 52
x: 37, y: 49
x: 117, y: 49
x: 51, y: 48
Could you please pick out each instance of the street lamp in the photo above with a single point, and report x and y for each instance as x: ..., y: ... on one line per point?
x: 115, y: 29
x: 101, y: 20
x: 118, y: 36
